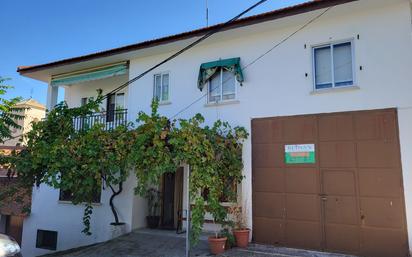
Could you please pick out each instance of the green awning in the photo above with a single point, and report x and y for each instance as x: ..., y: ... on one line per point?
x: 207, y: 70
x: 90, y: 74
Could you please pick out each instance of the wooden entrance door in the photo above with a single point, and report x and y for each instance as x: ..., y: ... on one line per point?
x: 168, y: 210
x: 349, y: 200
x: 14, y: 227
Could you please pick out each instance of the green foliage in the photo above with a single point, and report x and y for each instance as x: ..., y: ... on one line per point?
x: 214, y: 155
x: 80, y: 161
x: 153, y: 197
x: 9, y: 113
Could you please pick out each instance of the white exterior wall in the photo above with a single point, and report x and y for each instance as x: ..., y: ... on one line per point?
x: 275, y: 85
x: 48, y: 213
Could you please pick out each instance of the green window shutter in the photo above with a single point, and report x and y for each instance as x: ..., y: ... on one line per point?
x: 207, y: 70
x: 89, y: 75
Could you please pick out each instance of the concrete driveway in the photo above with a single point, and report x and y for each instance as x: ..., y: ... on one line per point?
x: 157, y: 243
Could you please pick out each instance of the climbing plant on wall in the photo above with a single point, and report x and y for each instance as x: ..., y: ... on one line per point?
x: 83, y: 161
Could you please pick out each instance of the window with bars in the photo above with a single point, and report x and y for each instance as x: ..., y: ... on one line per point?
x: 333, y: 65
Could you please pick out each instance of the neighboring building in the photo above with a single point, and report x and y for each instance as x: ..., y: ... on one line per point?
x: 14, y: 210
x: 32, y: 111
x: 328, y: 165
x: 15, y: 201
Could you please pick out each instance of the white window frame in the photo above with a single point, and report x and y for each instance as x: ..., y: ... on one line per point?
x: 161, y: 101
x: 331, y: 45
x: 221, y: 89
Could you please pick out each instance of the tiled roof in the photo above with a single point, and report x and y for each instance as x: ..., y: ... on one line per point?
x: 267, y: 16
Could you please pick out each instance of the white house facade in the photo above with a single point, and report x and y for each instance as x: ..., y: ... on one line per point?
x: 340, y: 86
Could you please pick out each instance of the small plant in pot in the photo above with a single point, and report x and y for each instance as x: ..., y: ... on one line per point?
x: 153, y: 200
x: 227, y: 232
x: 240, y: 231
x: 217, y: 243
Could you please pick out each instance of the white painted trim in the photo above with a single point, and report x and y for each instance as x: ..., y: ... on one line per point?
x: 331, y: 44
x: 161, y: 101
x: 222, y: 102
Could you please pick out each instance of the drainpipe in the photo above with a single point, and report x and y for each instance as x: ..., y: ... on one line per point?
x: 187, y: 254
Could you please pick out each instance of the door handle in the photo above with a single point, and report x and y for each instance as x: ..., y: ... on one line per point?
x: 323, y: 197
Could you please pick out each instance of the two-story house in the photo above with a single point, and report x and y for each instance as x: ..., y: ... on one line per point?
x: 325, y: 93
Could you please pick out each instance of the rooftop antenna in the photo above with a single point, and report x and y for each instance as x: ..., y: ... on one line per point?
x: 207, y: 14
x: 31, y: 93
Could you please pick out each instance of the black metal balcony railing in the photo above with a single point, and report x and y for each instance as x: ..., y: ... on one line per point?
x: 110, y: 120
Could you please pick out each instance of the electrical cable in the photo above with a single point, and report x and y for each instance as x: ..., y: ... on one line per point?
x: 259, y: 57
x: 191, y: 45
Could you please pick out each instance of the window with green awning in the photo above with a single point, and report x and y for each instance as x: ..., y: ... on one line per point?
x: 207, y: 70
x: 90, y: 74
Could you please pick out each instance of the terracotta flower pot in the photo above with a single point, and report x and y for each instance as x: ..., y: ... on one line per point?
x: 217, y: 245
x: 242, y: 237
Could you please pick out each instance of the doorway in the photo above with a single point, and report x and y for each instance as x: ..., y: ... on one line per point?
x: 172, y: 199
x: 14, y: 227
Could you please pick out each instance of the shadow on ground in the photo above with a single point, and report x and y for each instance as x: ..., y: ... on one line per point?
x: 158, y: 243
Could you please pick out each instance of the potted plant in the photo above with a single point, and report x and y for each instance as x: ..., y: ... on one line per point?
x: 153, y: 199
x: 231, y: 241
x: 217, y: 243
x: 240, y: 231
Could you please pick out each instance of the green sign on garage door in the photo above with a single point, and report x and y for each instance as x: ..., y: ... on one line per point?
x: 296, y: 154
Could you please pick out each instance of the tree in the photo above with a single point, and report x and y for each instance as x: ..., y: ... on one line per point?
x: 9, y: 114
x: 83, y: 161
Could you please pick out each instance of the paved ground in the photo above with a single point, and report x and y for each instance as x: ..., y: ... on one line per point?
x: 155, y: 243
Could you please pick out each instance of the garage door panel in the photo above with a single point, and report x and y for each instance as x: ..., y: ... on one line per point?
x: 341, y: 210
x: 303, y: 234
x: 339, y: 182
x: 299, y: 128
x: 268, y: 205
x: 378, y: 125
x: 337, y: 154
x: 261, y: 131
x: 268, y: 231
x: 342, y: 238
x: 383, y: 243
x: 302, y: 180
x: 382, y: 212
x: 336, y: 127
x: 302, y: 207
x: 349, y: 201
x: 269, y: 180
x: 267, y: 155
x: 380, y: 182
x: 378, y: 154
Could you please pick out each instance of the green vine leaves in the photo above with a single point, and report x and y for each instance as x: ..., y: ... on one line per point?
x: 87, y: 160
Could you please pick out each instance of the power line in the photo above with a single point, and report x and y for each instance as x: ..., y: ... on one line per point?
x: 191, y: 45
x: 258, y: 58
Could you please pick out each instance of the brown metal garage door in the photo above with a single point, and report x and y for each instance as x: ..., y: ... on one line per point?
x: 349, y: 200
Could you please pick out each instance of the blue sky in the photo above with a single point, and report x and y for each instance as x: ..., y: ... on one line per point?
x: 41, y: 31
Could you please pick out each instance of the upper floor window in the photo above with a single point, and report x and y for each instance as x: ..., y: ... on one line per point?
x: 222, y: 86
x: 86, y: 100
x: 115, y: 102
x: 161, y: 87
x: 333, y: 65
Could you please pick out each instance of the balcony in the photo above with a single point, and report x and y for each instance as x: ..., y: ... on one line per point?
x: 110, y: 120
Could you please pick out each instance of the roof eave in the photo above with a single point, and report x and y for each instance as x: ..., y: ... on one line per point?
x: 273, y: 15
